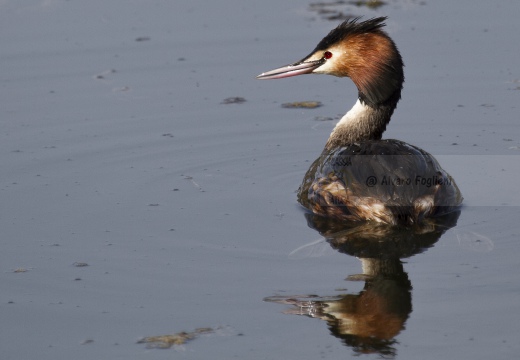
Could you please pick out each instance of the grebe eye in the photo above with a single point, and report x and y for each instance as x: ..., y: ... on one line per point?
x: 327, y: 55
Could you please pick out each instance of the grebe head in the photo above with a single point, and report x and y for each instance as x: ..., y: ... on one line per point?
x: 360, y: 51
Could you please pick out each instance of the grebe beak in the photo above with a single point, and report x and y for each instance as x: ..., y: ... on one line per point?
x: 298, y: 68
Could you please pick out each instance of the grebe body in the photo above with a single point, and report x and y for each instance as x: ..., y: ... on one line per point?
x: 358, y: 176
x: 387, y: 181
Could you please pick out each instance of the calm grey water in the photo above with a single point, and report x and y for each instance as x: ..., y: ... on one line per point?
x: 117, y: 152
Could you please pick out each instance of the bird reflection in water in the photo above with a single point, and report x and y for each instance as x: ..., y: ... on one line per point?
x: 369, y: 321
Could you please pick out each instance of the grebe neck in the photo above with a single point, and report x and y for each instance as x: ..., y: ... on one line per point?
x: 362, y: 122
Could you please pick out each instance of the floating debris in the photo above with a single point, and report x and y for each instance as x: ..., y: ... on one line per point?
x: 323, y: 9
x: 80, y: 264
x: 338, y: 10
x: 142, y: 38
x: 103, y: 75
x: 190, y: 178
x: 302, y: 105
x: 167, y: 341
x: 121, y: 89
x: 371, y: 4
x: 325, y: 118
x: 233, y: 100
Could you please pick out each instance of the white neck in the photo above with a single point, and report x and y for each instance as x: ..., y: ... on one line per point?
x: 352, y: 116
x: 360, y: 123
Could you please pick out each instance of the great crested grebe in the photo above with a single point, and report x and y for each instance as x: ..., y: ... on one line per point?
x: 358, y: 176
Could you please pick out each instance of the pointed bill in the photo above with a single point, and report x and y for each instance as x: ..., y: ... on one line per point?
x: 299, y: 68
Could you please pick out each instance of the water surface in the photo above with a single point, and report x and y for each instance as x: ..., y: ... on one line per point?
x: 117, y: 153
